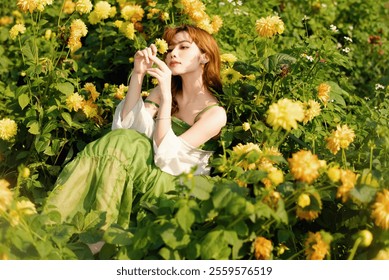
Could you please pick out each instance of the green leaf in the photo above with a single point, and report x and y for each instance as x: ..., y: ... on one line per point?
x: 23, y: 100
x: 201, y: 188
x: 118, y: 236
x: 78, y: 221
x: 34, y: 128
x: 66, y: 88
x: 185, y: 218
x: 175, y: 238
x: 67, y: 117
x: 214, y: 246
x: 94, y: 219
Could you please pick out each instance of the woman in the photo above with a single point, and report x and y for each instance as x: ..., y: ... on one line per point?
x: 152, y: 141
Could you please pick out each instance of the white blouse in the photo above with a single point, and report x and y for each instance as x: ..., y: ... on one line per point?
x: 173, y: 155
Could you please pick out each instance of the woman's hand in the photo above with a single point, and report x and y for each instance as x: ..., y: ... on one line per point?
x: 143, y: 59
x: 164, y: 76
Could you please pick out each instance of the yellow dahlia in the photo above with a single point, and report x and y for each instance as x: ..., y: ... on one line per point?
x: 380, y: 209
x: 133, y: 13
x: 6, y: 195
x: 342, y: 137
x: 217, y: 23
x: 120, y: 92
x: 334, y: 173
x: 269, y: 26
x: 27, y: 5
x: 127, y: 28
x: 311, y: 110
x: 90, y: 109
x: 8, y: 129
x: 230, y: 76
x: 91, y: 88
x: 83, y: 6
x: 5, y: 20
x: 305, y: 166
x: 348, y: 180
x: 161, y: 45
x: 17, y: 29
x: 41, y: 4
x: 263, y: 248
x: 317, y: 245
x: 74, y: 102
x: 240, y: 151
x: 100, y: 12
x: 68, y: 7
x: 324, y: 93
x: 285, y: 113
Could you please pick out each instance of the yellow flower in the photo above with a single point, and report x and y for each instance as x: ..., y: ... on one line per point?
x: 317, y: 246
x: 8, y: 129
x: 6, y: 195
x: 230, y: 76
x: 342, y: 137
x: 312, y: 210
x: 272, y: 199
x: 127, y: 28
x: 285, y: 113
x: 276, y: 176
x: 5, y: 20
x: 133, y: 13
x: 304, y: 166
x: 69, y: 7
x: 90, y: 109
x: 145, y: 93
x: 366, y: 237
x: 380, y: 209
x: 217, y: 23
x: 382, y: 254
x: 240, y: 151
x: 100, y: 12
x: 84, y: 6
x: 245, y: 126
x: 263, y: 248
x: 228, y: 57
x: 41, y: 4
x: 161, y: 45
x: 120, y: 92
x: 17, y: 29
x: 303, y: 200
x: 311, y: 110
x: 25, y: 172
x: 25, y: 207
x: 92, y: 90
x: 27, y: 5
x: 334, y: 174
x: 78, y: 28
x: 269, y: 26
x: 348, y: 180
x: 324, y: 93
x: 74, y: 101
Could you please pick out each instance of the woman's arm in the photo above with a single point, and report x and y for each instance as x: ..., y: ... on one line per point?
x: 142, y: 62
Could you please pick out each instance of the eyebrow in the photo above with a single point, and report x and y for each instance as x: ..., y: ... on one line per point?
x: 183, y: 41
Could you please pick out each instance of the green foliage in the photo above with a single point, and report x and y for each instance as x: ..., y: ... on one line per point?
x: 253, y: 191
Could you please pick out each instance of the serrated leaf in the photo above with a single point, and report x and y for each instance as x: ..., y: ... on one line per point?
x: 23, y: 100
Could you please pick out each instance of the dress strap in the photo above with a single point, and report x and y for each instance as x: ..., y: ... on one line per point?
x: 151, y: 102
x: 204, y: 110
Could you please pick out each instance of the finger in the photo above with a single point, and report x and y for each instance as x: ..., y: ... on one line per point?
x: 154, y: 49
x: 160, y: 63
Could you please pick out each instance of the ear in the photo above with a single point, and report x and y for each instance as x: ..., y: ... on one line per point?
x: 204, y: 58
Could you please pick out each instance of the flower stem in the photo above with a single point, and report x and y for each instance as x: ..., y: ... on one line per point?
x: 354, y: 249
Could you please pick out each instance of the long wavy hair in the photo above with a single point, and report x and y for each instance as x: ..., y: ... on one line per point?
x: 208, y: 46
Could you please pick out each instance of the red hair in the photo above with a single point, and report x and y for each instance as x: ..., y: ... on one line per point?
x: 208, y: 46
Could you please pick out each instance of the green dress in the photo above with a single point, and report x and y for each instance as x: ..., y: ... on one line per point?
x: 110, y: 173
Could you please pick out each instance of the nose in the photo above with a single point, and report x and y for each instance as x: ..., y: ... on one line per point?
x: 173, y: 53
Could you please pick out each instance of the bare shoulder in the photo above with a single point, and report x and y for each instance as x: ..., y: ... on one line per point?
x: 215, y: 116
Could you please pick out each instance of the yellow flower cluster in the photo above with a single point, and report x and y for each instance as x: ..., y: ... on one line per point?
x: 22, y: 208
x: 8, y: 129
x: 68, y: 7
x: 228, y: 58
x: 323, y: 93
x: 195, y: 9
x: 263, y: 248
x: 74, y: 101
x: 161, y: 45
x: 120, y: 92
x: 347, y: 178
x: 91, y: 88
x: 342, y: 137
x: 317, y: 245
x: 311, y: 110
x: 32, y: 5
x: 380, y: 209
x: 17, y: 29
x: 5, y: 20
x: 269, y: 26
x: 305, y: 166
x: 78, y: 29
x: 285, y: 114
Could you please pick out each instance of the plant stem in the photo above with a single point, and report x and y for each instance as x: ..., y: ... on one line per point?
x: 354, y: 249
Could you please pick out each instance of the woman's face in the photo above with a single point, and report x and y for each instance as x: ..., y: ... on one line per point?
x: 183, y: 55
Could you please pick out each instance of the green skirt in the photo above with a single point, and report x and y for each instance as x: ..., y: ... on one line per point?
x: 108, y: 175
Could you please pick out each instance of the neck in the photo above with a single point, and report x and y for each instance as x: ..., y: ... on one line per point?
x: 193, y: 86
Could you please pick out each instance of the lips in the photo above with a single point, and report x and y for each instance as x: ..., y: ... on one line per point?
x: 173, y: 63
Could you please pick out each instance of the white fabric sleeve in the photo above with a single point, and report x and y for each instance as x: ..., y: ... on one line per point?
x: 175, y: 156
x: 138, y: 118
